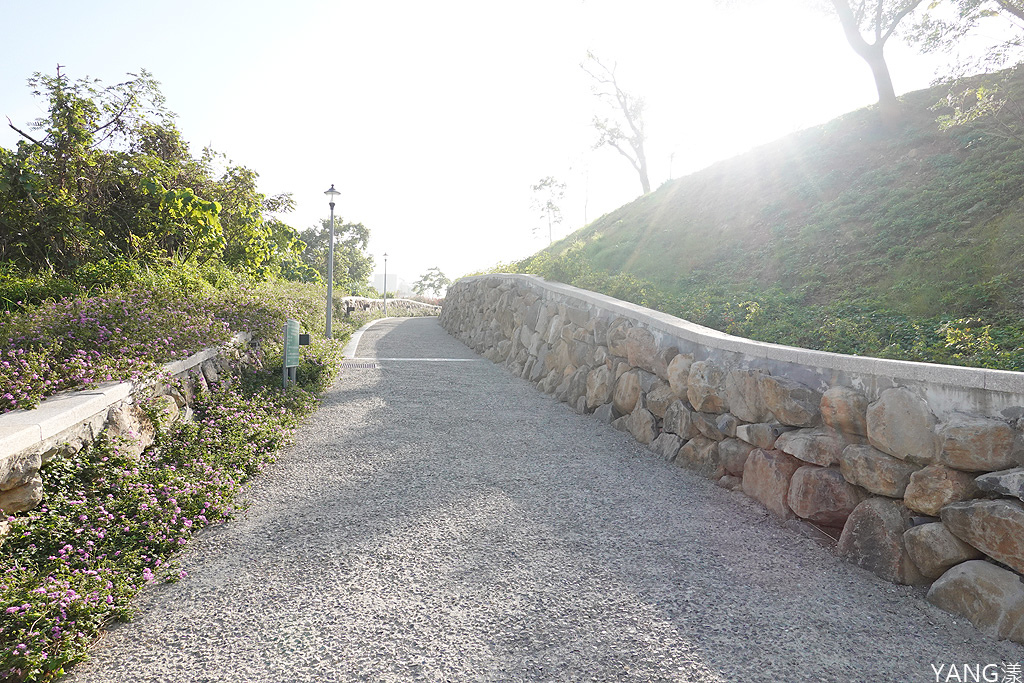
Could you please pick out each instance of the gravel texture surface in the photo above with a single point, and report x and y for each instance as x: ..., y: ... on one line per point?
x: 445, y: 521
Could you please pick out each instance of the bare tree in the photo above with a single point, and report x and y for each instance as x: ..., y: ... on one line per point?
x: 878, y: 19
x: 623, y: 128
x: 547, y: 193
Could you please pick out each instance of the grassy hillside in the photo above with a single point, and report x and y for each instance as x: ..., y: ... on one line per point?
x: 847, y: 237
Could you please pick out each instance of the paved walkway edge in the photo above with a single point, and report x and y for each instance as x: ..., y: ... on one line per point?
x: 349, y: 352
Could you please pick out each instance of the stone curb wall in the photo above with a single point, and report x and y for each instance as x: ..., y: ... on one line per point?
x: 398, y: 307
x: 915, y: 468
x: 65, y: 423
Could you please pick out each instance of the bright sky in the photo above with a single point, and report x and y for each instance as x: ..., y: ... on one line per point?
x: 433, y: 119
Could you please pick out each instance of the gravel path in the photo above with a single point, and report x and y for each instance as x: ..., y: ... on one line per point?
x: 445, y: 521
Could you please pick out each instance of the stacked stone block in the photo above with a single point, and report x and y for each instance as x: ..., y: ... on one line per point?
x: 920, y: 480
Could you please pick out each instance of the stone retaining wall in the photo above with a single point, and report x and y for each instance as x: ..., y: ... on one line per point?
x: 914, y: 468
x: 397, y: 307
x: 66, y: 422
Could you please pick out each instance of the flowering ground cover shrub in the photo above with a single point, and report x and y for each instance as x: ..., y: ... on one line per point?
x: 109, y: 523
x: 76, y: 342
x: 123, y: 334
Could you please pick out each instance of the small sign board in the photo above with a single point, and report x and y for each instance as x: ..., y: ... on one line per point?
x: 291, y: 344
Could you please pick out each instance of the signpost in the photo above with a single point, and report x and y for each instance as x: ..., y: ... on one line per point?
x: 291, y: 352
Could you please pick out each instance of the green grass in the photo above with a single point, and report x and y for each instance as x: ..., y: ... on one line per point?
x: 846, y: 237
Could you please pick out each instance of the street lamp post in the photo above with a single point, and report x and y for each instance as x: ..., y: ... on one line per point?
x: 385, y: 284
x: 331, y: 193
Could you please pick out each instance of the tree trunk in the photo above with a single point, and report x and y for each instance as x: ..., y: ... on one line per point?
x: 888, y: 105
x: 644, y: 181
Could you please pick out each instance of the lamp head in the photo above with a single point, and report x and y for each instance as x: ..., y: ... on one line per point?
x: 332, y: 193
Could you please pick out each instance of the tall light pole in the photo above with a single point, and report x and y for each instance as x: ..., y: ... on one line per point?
x: 385, y: 284
x: 331, y: 193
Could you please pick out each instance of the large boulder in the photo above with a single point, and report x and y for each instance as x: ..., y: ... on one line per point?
x: 577, y: 387
x: 643, y: 425
x: 679, y: 420
x: 901, y: 424
x: 641, y: 348
x: 526, y: 336
x: 599, y: 328
x: 763, y: 434
x: 627, y: 392
x: 873, y: 539
x: 667, y: 445
x: 845, y: 410
x: 577, y: 316
x: 547, y: 310
x: 976, y: 444
x: 818, y: 446
x: 791, y: 402
x: 678, y: 373
x: 700, y: 454
x: 706, y: 387
x: 17, y: 470
x: 540, y: 369
x: 743, y: 394
x: 733, y: 453
x: 560, y: 357
x: 935, y: 486
x: 642, y: 351
x: 581, y: 353
x: 1005, y: 483
x: 766, y: 479
x: 605, y: 413
x: 707, y: 425
x: 617, y: 336
x: 600, y: 383
x: 532, y: 316
x: 727, y: 424
x: 934, y: 549
x: 878, y: 472
x: 209, y: 370
x: 23, y: 497
x: 128, y: 422
x: 991, y: 597
x: 995, y: 527
x: 554, y: 329
x: 659, y: 398
x: 821, y: 495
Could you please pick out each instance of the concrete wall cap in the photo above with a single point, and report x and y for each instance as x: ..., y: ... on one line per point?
x: 23, y: 429
x: 15, y: 438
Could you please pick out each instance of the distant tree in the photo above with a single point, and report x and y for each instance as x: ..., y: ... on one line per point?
x: 547, y: 193
x: 878, y: 19
x: 623, y: 127
x: 288, y: 249
x: 105, y: 175
x: 352, y: 265
x: 431, y: 281
x: 68, y: 193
